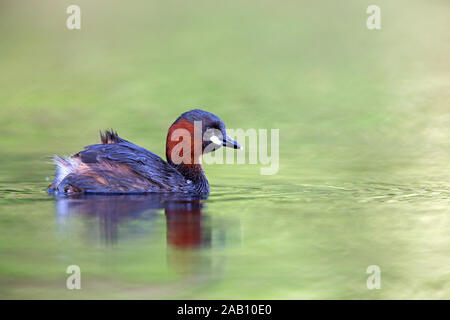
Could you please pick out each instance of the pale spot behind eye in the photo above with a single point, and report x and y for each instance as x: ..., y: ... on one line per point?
x: 215, y: 140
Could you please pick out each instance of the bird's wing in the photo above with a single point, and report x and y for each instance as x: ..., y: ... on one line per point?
x: 117, y: 165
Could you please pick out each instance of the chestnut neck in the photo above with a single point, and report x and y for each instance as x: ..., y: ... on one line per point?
x: 191, y: 168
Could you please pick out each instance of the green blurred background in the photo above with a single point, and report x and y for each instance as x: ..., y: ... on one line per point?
x: 364, y: 121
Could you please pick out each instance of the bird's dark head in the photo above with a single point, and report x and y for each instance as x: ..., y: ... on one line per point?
x: 199, y: 131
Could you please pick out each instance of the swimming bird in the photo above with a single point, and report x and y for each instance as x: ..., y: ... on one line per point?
x: 118, y: 166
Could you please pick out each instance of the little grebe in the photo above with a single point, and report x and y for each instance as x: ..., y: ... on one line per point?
x: 118, y: 166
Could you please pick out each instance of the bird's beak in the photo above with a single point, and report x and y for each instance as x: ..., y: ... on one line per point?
x: 230, y: 143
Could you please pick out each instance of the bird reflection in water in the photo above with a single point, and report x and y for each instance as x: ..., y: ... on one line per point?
x: 187, y: 228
